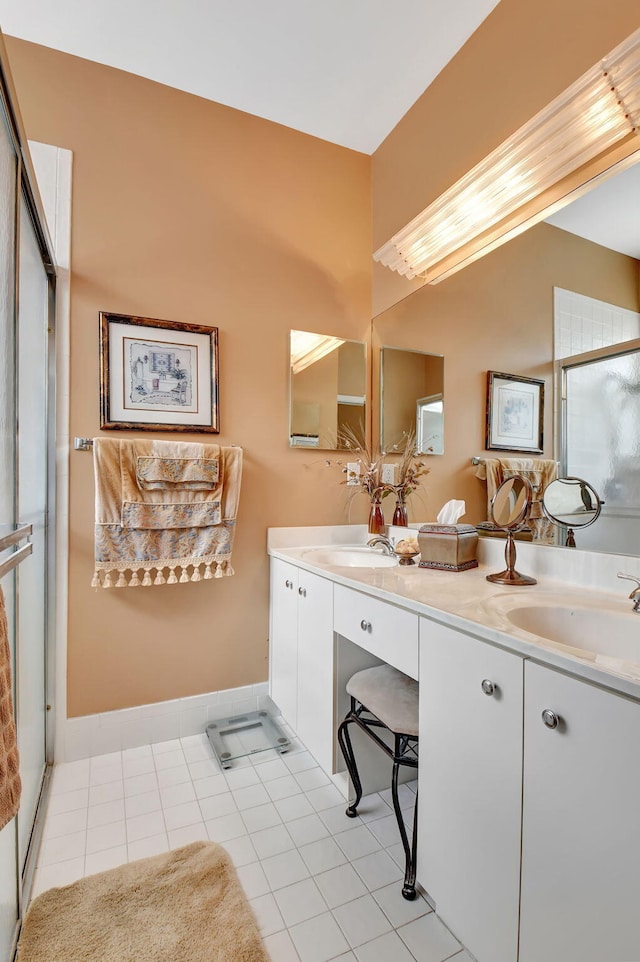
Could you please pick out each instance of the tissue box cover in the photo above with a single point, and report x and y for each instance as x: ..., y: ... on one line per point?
x: 450, y: 547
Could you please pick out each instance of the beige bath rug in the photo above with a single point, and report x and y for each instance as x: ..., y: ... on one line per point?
x: 185, y: 906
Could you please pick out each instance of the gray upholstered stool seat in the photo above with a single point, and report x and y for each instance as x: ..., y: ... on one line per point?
x: 385, y: 698
x: 389, y: 695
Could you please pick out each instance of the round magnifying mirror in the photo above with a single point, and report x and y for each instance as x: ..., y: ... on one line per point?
x: 571, y: 502
x: 511, y: 502
x: 510, y: 509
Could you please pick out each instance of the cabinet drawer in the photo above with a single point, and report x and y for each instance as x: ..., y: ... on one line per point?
x: 389, y: 633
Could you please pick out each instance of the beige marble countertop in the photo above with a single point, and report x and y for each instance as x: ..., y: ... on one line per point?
x: 467, y: 601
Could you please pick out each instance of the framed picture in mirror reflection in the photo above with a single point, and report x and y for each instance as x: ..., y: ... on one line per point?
x: 515, y: 412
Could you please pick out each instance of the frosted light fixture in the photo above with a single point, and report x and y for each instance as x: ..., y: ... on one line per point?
x: 595, y: 113
x: 307, y: 348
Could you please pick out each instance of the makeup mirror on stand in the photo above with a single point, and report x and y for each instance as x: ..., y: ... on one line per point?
x: 571, y: 503
x: 510, y: 509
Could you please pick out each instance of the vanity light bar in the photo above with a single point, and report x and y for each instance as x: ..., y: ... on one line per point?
x: 595, y: 113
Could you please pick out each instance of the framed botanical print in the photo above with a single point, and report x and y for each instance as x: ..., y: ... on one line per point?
x: 158, y: 375
x: 515, y: 411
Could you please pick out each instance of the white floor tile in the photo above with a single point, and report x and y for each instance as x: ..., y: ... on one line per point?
x: 212, y: 785
x: 179, y: 816
x: 406, y: 796
x: 285, y: 869
x: 322, y: 855
x: 250, y: 797
x: 55, y: 876
x: 312, y: 778
x: 336, y: 820
x: 318, y: 939
x: 267, y: 914
x: 65, y: 824
x: 265, y: 816
x: 173, y: 776
x: 241, y: 850
x: 300, y: 762
x: 64, y: 848
x: 377, y: 870
x: 198, y: 752
x: 105, y: 774
x: 326, y: 797
x: 242, y: 778
x: 142, y: 804
x: 281, y: 948
x: 285, y: 787
x: 70, y: 776
x: 171, y: 759
x: 139, y: 784
x: 177, y: 794
x: 386, y: 830
x: 300, y: 902
x: 357, y: 842
x: 137, y: 766
x: 189, y: 833
x: 296, y: 806
x: 340, y: 885
x: 428, y: 939
x: 105, y: 813
x: 398, y: 910
x: 218, y: 805
x: 68, y: 802
x: 104, y: 860
x: 106, y: 836
x: 160, y: 748
x: 374, y: 806
x: 226, y: 827
x: 253, y: 880
x: 397, y: 854
x: 361, y: 920
x: 143, y: 751
x: 108, y: 760
x: 98, y: 794
x: 146, y: 847
x: 311, y: 828
x: 267, y: 771
x: 386, y: 948
x: 272, y: 841
x: 143, y: 826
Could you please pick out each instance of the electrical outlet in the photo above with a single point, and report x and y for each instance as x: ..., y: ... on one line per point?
x: 353, y: 472
x: 388, y: 474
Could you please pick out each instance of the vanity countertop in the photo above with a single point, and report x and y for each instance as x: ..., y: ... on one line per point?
x: 467, y: 601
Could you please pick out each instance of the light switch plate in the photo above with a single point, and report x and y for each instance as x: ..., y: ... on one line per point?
x: 388, y: 474
x: 353, y: 472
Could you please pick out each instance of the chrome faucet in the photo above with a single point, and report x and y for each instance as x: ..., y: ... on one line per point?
x: 386, y: 544
x: 635, y: 594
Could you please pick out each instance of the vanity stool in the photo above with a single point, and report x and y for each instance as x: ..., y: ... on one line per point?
x: 384, y: 697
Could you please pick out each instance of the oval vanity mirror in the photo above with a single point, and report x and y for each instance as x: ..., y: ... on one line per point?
x: 510, y: 509
x: 573, y: 503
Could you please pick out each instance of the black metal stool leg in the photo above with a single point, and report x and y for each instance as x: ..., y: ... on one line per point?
x: 409, y: 887
x: 344, y: 740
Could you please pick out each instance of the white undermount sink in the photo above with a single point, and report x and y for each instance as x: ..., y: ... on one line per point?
x: 606, y: 633
x: 349, y: 556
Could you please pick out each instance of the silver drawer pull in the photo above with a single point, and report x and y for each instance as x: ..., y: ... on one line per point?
x: 488, y: 687
x: 303, y: 592
x: 365, y: 625
x: 549, y: 718
x: 288, y: 584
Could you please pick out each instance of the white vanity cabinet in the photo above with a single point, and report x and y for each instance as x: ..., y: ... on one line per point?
x: 470, y: 785
x: 581, y: 822
x: 301, y: 656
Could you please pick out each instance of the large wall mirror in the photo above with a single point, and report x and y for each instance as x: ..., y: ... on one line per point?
x: 411, y: 399
x: 328, y: 387
x: 566, y: 290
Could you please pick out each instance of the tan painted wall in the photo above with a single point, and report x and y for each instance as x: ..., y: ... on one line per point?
x: 496, y: 315
x: 188, y: 210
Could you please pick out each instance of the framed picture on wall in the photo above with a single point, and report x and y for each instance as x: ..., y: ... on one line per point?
x: 515, y: 411
x: 158, y: 375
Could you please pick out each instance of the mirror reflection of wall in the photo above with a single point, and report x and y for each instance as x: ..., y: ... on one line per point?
x: 412, y: 398
x: 328, y: 378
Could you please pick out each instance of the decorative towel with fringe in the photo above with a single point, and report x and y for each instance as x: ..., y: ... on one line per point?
x: 10, y: 785
x: 163, y: 507
x: 540, y: 472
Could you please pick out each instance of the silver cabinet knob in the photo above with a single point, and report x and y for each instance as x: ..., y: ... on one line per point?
x: 365, y: 625
x: 488, y: 687
x: 549, y: 718
x: 288, y: 584
x: 303, y: 592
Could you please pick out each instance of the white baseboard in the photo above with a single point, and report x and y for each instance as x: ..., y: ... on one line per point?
x: 148, y: 724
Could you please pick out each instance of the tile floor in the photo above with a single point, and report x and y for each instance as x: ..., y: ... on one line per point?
x: 322, y: 886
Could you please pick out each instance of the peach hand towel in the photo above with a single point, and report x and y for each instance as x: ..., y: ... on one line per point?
x: 10, y: 785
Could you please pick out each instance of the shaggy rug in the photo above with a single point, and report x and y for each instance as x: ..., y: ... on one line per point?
x: 184, y: 906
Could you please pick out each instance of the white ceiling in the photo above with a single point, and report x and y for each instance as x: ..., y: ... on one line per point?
x: 608, y: 215
x: 342, y: 70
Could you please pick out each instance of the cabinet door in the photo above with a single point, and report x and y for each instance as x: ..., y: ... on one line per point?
x: 581, y: 823
x: 283, y: 641
x: 470, y: 780
x: 316, y: 725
